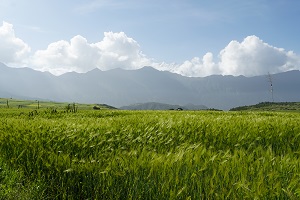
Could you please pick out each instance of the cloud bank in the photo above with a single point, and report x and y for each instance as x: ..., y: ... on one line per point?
x: 12, y: 49
x: 254, y: 57
x: 250, y: 57
x: 116, y: 50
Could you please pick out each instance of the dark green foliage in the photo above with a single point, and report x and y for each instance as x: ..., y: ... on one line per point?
x: 271, y: 106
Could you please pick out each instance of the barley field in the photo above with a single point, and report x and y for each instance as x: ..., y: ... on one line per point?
x: 115, y: 154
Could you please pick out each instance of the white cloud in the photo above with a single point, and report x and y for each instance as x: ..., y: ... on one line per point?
x: 119, y: 51
x: 250, y: 57
x: 197, y: 67
x: 254, y: 57
x: 12, y: 49
x: 116, y: 50
x: 62, y: 56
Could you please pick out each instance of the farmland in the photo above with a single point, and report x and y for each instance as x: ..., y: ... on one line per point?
x: 115, y: 154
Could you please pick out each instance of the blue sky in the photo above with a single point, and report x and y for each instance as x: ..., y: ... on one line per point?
x: 192, y: 38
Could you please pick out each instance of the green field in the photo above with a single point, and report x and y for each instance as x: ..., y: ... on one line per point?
x: 42, y: 104
x: 114, y: 154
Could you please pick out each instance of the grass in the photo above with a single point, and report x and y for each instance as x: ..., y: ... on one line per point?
x: 114, y: 154
x: 40, y: 104
x: 15, y: 185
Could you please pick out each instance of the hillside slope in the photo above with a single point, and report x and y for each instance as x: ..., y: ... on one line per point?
x: 162, y: 106
x: 271, y: 106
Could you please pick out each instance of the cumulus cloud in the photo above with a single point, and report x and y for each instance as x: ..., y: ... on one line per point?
x: 250, y: 57
x: 197, y: 67
x: 254, y: 57
x: 120, y: 51
x: 116, y: 50
x: 63, y: 56
x: 12, y: 49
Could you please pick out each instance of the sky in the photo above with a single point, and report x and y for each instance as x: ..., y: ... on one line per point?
x: 193, y: 38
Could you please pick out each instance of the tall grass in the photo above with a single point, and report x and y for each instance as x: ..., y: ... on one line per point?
x: 155, y: 154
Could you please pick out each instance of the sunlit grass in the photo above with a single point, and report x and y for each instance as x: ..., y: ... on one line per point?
x: 155, y: 154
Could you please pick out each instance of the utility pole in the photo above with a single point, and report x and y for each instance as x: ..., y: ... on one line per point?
x: 271, y: 85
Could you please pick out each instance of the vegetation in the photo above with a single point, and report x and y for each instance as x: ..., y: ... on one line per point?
x: 162, y: 106
x: 37, y: 104
x: 271, y: 106
x: 116, y: 154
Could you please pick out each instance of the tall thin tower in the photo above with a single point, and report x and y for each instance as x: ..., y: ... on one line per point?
x: 271, y: 85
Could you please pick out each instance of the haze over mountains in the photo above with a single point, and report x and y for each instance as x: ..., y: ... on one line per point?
x: 162, y: 106
x: 120, y: 87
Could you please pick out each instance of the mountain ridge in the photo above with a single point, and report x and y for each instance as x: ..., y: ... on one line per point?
x: 121, y: 87
x: 162, y: 106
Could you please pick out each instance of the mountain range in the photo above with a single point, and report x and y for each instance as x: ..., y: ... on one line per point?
x: 162, y: 106
x: 120, y: 87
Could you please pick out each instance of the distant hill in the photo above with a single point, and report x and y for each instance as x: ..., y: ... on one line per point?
x: 271, y: 106
x: 162, y: 106
x: 120, y: 87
